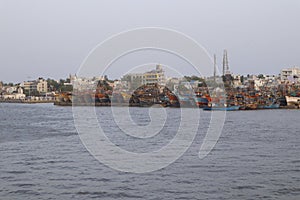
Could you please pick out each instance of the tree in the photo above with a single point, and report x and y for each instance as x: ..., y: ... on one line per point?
x: 66, y: 88
x: 193, y: 78
x: 31, y: 93
x: 8, y: 84
x: 260, y: 76
x: 61, y: 82
x: 52, y: 85
x: 242, y: 79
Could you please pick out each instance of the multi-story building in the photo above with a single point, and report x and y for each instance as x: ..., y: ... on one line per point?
x: 154, y: 76
x: 39, y: 85
x: 237, y: 81
x: 29, y: 86
x: 136, y: 80
x: 42, y: 86
x: 290, y: 74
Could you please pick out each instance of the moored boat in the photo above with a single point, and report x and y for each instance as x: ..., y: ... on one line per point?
x: 270, y: 106
x: 228, y: 108
x: 251, y: 106
x: 292, y: 100
x: 185, y: 101
x: 201, y: 101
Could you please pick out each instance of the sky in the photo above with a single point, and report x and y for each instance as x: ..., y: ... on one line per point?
x: 51, y: 38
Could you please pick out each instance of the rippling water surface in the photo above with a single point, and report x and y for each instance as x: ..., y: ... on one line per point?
x: 42, y: 157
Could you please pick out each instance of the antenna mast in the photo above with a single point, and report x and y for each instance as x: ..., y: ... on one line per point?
x: 225, y: 63
x: 215, y: 67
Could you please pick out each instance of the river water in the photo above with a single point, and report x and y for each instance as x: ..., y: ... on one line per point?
x: 42, y: 157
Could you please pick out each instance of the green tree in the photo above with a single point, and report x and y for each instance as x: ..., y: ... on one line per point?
x: 53, y: 85
x: 242, y: 79
x: 260, y: 76
x: 66, y: 88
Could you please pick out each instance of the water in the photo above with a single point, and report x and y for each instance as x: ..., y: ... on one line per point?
x: 42, y: 157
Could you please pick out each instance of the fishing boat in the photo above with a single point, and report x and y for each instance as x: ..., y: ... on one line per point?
x: 282, y: 101
x: 174, y: 102
x: 225, y: 107
x: 292, y: 100
x: 64, y: 97
x: 100, y: 98
x: 185, y: 101
x: 230, y: 108
x: 117, y: 98
x: 269, y: 106
x: 201, y: 101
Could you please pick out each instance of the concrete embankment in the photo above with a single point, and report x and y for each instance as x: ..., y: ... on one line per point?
x: 25, y: 101
x: 57, y: 103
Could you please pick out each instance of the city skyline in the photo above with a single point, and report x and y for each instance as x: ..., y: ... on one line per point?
x: 142, y: 69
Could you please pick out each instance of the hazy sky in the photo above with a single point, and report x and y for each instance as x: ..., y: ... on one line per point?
x: 51, y: 38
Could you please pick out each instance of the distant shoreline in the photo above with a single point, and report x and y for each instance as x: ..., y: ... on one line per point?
x: 25, y: 101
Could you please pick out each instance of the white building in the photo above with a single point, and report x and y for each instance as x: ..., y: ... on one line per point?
x: 29, y: 85
x: 42, y: 86
x: 14, y: 96
x: 138, y: 79
x: 14, y: 93
x: 290, y: 74
x: 154, y: 76
x: 39, y: 85
x: 237, y: 81
x: 11, y: 90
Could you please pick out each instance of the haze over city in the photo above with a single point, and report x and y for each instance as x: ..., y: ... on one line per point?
x: 52, y: 38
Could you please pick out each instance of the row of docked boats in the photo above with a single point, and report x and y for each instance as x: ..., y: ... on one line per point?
x: 227, y: 106
x: 289, y: 102
x: 149, y: 95
x: 170, y: 100
x: 237, y: 107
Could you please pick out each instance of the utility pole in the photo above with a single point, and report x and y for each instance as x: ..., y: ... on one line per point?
x: 215, y: 67
x: 224, y: 63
